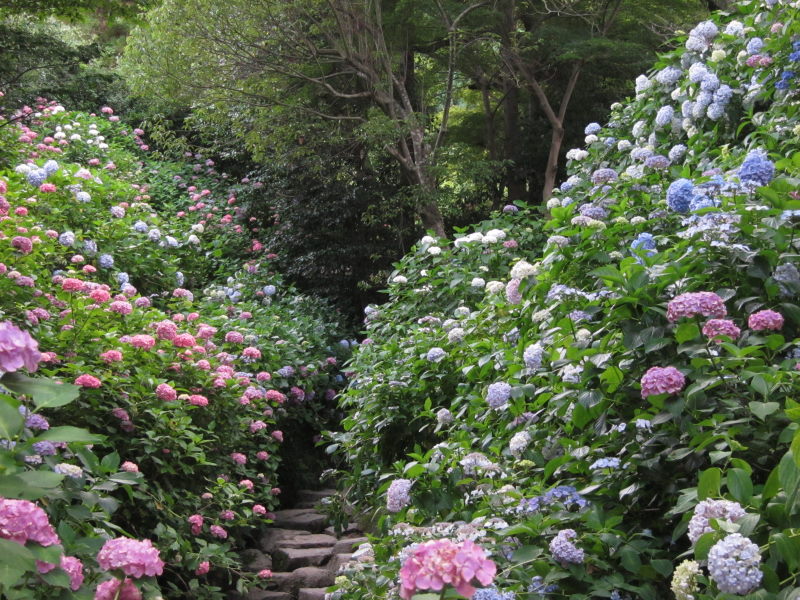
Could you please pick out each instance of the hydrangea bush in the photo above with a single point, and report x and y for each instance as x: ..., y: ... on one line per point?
x: 614, y: 412
x: 151, y: 313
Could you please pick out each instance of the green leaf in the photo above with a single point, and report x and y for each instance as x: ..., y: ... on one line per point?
x: 703, y: 545
x: 662, y: 566
x: 41, y: 479
x: 686, y: 332
x: 613, y: 378
x: 67, y: 433
x: 709, y: 484
x: 739, y: 485
x: 526, y: 554
x: 10, y: 420
x: 629, y: 557
x: 788, y: 548
x: 763, y: 409
x: 46, y: 393
x: 795, y: 447
x: 609, y: 273
x: 759, y: 384
x: 16, y: 556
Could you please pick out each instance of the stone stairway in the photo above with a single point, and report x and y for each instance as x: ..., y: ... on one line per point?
x: 302, y: 551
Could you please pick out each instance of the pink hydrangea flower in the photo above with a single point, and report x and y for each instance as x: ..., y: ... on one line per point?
x: 73, y: 568
x: 263, y: 376
x: 234, y: 337
x: 71, y: 284
x: 218, y: 532
x: 238, y: 458
x: 257, y: 426
x: 662, y: 380
x: 23, y: 244
x: 258, y: 509
x: 196, y: 521
x: 47, y: 188
x: 22, y: 520
x: 227, y: 515
x: 143, y: 341
x: 17, y: 349
x: 111, y: 356
x: 88, y: 381
x: 135, y: 558
x: 166, y: 330
x: 166, y: 392
x: 765, y: 320
x: 439, y: 563
x: 198, y: 400
x: 262, y: 455
x: 183, y: 340
x: 202, y: 568
x: 120, y: 307
x: 114, y: 589
x: 251, y: 352
x: 276, y: 396
x: 717, y: 327
x: 99, y: 295
x: 706, y: 304
x: 246, y: 483
x: 129, y: 467
x: 278, y: 435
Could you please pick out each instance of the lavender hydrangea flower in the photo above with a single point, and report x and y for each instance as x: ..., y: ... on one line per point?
x: 397, y: 496
x: 664, y: 116
x: 677, y: 152
x: 36, y: 177
x: 83, y: 197
x: 592, y: 128
x: 17, y: 349
x: 563, y: 550
x: 498, y: 394
x: 754, y: 45
x: 436, y: 354
x: 90, y: 247
x: 604, y: 175
x: 533, y: 356
x: 697, y: 72
x: 733, y: 564
x: 723, y: 510
x: 286, y: 371
x: 106, y: 261
x: 657, y: 161
x: 669, y: 75
x: 67, y: 238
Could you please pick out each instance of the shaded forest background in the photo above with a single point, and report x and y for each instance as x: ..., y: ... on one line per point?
x: 366, y: 123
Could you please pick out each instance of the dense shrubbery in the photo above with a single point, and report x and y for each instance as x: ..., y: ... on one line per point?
x: 578, y: 408
x: 184, y: 363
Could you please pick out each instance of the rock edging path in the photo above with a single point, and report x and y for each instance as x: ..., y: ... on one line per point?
x: 302, y: 551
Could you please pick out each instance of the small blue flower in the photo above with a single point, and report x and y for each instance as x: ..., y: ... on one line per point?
x: 605, y: 463
x: 644, y: 242
x: 123, y: 278
x: 679, y: 195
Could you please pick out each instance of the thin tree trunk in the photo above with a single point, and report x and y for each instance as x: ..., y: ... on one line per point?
x: 551, y: 170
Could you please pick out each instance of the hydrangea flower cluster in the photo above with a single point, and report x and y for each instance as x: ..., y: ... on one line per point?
x: 565, y: 495
x: 17, y: 349
x: 397, y: 496
x: 684, y: 580
x: 714, y: 328
x: 435, y: 564
x: 22, y: 521
x: 692, y: 304
x: 662, y: 380
x: 765, y: 320
x: 724, y: 510
x: 563, y: 550
x: 498, y: 394
x: 733, y: 564
x: 135, y: 558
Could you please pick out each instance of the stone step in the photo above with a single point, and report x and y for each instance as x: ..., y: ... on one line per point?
x: 314, y: 495
x: 308, y: 504
x: 311, y: 540
x: 273, y: 536
x: 267, y: 595
x: 351, y: 529
x: 345, y: 545
x: 289, y: 559
x: 290, y: 582
x: 337, y: 561
x: 255, y: 560
x: 311, y: 594
x: 301, y: 518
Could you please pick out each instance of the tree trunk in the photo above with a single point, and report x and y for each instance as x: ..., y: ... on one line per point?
x: 551, y: 171
x: 432, y: 218
x: 515, y: 180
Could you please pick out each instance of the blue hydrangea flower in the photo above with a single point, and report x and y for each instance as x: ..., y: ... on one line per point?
x: 677, y: 152
x: 657, y: 161
x: 90, y: 247
x: 123, y: 278
x: 45, y: 448
x: 154, y: 234
x: 754, y: 45
x: 140, y: 226
x: 83, y: 197
x: 492, y: 593
x: 757, y: 169
x: 50, y: 167
x: 679, y: 195
x: 180, y: 278
x: 664, y: 116
x: 697, y: 72
x: 710, y: 82
x: 593, y: 211
x: 576, y: 316
x: 436, y: 354
x: 286, y: 371
x: 67, y: 238
x: 701, y: 201
x: 538, y: 586
x: 715, y: 111
x: 604, y: 176
x: 669, y: 75
x: 723, y: 94
x: 269, y: 290
x: 605, y: 463
x: 644, y: 242
x: 641, y: 153
x: 592, y: 128
x: 533, y: 356
x: 36, y: 177
x: 106, y: 261
x: 498, y: 394
x: 171, y: 241
x: 510, y: 208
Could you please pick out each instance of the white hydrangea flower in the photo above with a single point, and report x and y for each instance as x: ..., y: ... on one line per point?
x: 399, y: 279
x: 434, y: 251
x: 522, y: 269
x: 477, y: 282
x: 495, y: 287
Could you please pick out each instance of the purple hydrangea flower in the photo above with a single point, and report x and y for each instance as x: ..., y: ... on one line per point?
x: 498, y: 394
x: 17, y: 349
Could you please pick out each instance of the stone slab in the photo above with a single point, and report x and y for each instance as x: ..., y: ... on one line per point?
x: 311, y: 540
x: 269, y: 541
x: 348, y: 544
x: 289, y: 559
x: 301, y: 519
x: 267, y: 595
x: 337, y: 561
x: 314, y: 495
x: 311, y: 594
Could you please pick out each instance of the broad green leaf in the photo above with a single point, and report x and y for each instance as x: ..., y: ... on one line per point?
x: 709, y: 484
x: 763, y: 409
x: 10, y: 420
x: 16, y: 556
x: 41, y: 479
x: 46, y: 393
x: 686, y: 332
x: 526, y: 554
x: 67, y: 433
x: 759, y: 384
x: 739, y: 485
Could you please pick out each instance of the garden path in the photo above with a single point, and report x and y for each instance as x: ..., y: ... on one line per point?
x: 302, y: 551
